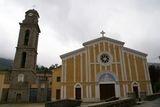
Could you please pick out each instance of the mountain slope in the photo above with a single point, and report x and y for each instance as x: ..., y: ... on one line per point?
x: 5, y: 64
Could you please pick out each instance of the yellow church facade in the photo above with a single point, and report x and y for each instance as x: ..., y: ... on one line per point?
x: 102, y: 69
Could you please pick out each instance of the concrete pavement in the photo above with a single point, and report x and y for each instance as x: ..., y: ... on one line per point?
x: 23, y: 105
x: 154, y: 103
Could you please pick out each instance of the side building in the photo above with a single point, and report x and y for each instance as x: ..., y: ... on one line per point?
x: 154, y: 70
x: 4, y: 85
x: 102, y: 69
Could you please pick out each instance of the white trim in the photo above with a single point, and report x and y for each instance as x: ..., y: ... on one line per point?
x: 62, y: 72
x: 90, y: 91
x: 150, y: 86
x: 64, y: 91
x: 95, y: 69
x: 129, y: 66
x: 87, y: 93
x: 65, y: 69
x: 121, y: 65
x: 135, y: 64
x: 116, y: 65
x: 86, y: 64
x: 62, y: 96
x: 146, y: 78
x: 124, y: 66
x: 81, y: 68
x: 97, y: 96
x: 147, y: 71
x: 135, y: 52
x: 124, y: 90
x: 87, y: 70
x: 74, y: 68
x: 124, y: 71
x: 102, y: 39
x: 89, y: 66
x: 127, y: 89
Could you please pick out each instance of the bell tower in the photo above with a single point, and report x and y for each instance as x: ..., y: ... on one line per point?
x: 23, y: 72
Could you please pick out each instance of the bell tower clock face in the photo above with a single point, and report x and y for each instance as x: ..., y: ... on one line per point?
x: 104, y: 58
x: 30, y: 14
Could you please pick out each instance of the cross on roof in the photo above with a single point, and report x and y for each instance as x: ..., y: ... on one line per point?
x: 102, y: 32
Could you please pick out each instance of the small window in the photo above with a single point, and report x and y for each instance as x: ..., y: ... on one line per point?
x: 23, y: 60
x: 26, y: 38
x: 58, y: 79
x: 21, y: 78
x: 50, y: 83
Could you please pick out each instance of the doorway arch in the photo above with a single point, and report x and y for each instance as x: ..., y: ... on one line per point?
x: 107, y: 85
x: 78, y: 91
x: 136, y: 89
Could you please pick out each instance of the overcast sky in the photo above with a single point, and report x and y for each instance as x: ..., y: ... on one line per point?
x: 66, y: 24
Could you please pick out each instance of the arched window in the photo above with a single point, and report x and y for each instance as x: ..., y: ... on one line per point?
x: 20, y: 77
x: 23, y: 60
x: 26, y: 37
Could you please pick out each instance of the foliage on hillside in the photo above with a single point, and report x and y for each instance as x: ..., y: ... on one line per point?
x: 5, y: 64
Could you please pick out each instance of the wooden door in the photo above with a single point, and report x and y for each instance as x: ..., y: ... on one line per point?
x: 107, y: 91
x: 78, y: 93
x: 58, y: 93
x: 135, y: 90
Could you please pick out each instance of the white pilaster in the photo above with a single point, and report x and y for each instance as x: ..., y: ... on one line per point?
x: 81, y: 74
x: 129, y: 66
x: 135, y: 64
x: 74, y: 68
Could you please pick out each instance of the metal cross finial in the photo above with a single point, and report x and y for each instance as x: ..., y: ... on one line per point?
x: 102, y: 33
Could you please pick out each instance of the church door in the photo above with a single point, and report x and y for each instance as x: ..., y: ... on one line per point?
x: 135, y: 90
x: 18, y: 97
x: 78, y: 93
x: 107, y: 91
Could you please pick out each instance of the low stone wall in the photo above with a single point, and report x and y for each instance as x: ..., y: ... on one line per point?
x: 152, y: 97
x: 64, y: 103
x: 127, y: 102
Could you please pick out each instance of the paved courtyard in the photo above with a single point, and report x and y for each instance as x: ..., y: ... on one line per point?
x: 23, y: 105
x: 155, y: 103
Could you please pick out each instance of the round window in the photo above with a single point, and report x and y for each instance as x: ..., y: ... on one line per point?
x: 105, y: 58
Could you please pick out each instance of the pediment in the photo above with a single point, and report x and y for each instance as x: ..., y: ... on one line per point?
x: 103, y: 39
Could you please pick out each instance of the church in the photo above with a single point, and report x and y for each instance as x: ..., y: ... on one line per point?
x: 102, y: 69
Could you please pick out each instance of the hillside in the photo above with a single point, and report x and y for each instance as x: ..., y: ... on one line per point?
x: 5, y: 64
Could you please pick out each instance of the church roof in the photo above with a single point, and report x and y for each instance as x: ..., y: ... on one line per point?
x: 102, y: 38
x: 134, y: 51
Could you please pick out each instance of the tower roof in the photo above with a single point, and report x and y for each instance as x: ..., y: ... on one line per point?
x: 33, y: 11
